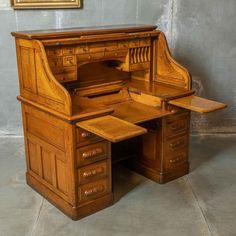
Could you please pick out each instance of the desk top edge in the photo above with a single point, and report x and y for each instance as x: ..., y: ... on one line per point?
x: 83, y: 31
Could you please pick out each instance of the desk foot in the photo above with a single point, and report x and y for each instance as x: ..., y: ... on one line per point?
x: 74, y: 212
x: 161, y: 177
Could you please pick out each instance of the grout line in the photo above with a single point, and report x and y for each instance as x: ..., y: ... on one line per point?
x: 37, y: 219
x: 198, y: 204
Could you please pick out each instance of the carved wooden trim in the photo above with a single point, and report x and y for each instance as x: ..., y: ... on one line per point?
x: 168, y: 70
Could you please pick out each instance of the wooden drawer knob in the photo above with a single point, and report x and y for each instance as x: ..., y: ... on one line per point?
x: 85, y: 134
x: 177, y: 144
x: 92, y: 153
x: 94, y: 191
x: 177, y: 159
x: 94, y: 172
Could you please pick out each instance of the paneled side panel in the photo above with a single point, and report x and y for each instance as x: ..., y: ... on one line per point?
x: 47, y: 166
x: 34, y: 163
x: 49, y: 162
x: 45, y: 130
x: 61, y: 176
x: 28, y: 69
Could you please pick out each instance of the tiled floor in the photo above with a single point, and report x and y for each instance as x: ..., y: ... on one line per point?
x: 202, y: 203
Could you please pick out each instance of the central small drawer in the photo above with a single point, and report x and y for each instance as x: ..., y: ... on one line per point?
x: 94, y: 171
x: 92, y: 153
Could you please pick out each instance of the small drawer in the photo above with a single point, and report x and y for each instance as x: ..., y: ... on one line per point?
x: 111, y: 46
x: 145, y: 42
x: 97, y: 56
x: 123, y: 45
x: 55, y: 62
x: 93, y: 172
x: 83, y: 57
x: 176, y: 144
x: 176, y: 159
x: 92, y: 153
x: 53, y: 51
x: 134, y: 43
x: 82, y: 49
x: 94, y: 190
x: 97, y: 47
x: 181, y: 114
x: 176, y: 127
x: 66, y: 77
x: 116, y: 54
x: 65, y: 74
x: 69, y: 61
x: 84, y: 137
x: 68, y: 50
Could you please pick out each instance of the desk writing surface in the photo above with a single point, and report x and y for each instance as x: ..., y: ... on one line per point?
x: 135, y: 112
x: 111, y: 128
x: 197, y: 104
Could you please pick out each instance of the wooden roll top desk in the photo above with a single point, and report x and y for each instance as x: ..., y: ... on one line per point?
x: 92, y: 96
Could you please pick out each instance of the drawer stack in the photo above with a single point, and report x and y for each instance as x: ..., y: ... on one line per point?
x: 176, y: 128
x: 93, y: 158
x: 62, y: 63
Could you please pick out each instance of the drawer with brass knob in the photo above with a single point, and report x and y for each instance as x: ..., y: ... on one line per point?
x: 176, y: 144
x: 53, y: 51
x: 92, y: 153
x: 176, y: 159
x: 84, y: 137
x: 177, y: 124
x: 94, y: 171
x: 94, y: 190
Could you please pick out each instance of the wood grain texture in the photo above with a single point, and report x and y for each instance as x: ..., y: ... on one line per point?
x: 75, y: 32
x: 168, y: 70
x: 135, y: 112
x: 111, y: 128
x: 197, y: 104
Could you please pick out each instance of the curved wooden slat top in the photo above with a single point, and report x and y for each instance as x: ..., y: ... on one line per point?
x: 82, y: 31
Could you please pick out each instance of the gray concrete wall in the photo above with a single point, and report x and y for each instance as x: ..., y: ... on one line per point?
x: 201, y: 35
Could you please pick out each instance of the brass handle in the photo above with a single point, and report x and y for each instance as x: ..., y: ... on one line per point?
x: 85, y: 134
x: 94, y: 172
x: 177, y: 144
x: 92, y: 153
x: 94, y: 191
x: 177, y: 159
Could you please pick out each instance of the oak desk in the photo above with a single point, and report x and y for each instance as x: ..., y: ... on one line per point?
x: 93, y: 96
